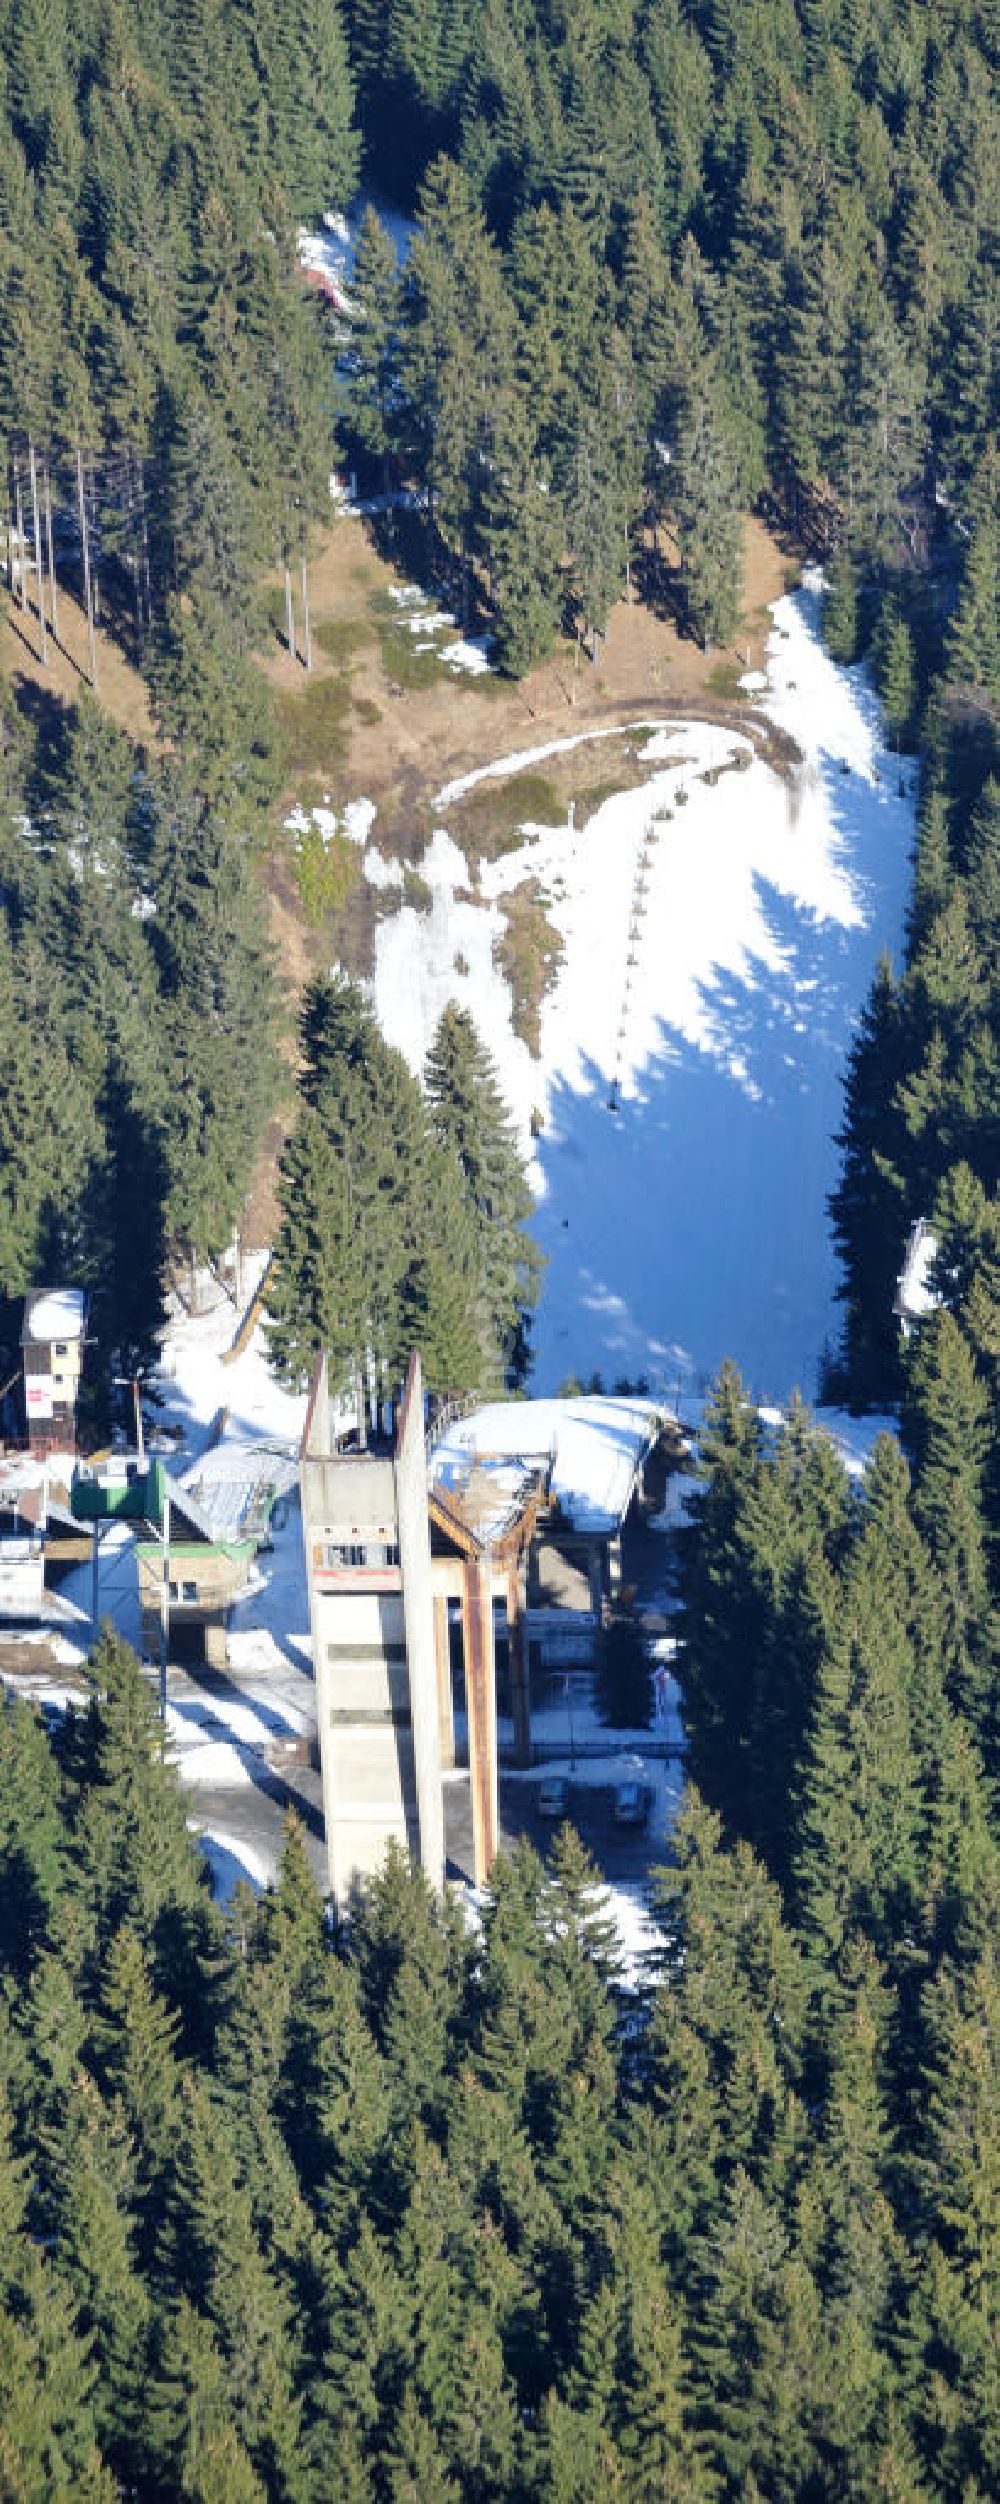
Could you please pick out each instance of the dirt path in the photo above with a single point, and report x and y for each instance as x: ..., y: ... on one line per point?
x: 422, y: 738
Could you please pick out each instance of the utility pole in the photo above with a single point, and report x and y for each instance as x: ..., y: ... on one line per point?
x: 307, y: 652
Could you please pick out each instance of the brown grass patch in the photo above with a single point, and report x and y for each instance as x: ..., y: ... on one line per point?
x: 119, y: 687
x: 488, y: 821
x: 528, y: 952
x: 314, y: 725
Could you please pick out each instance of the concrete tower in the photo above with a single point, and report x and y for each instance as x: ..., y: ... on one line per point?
x: 368, y: 1567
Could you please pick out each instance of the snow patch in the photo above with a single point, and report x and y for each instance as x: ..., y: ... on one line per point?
x: 520, y: 758
x: 214, y: 1762
x: 355, y: 820
x: 380, y: 872
x: 230, y: 1861
x: 470, y: 654
x: 327, y: 252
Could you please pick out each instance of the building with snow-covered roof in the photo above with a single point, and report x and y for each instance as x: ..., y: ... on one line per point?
x: 237, y: 1483
x: 593, y: 1447
x: 591, y: 1450
x: 52, y: 1342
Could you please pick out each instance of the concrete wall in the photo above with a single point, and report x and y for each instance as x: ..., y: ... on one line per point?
x: 367, y: 1551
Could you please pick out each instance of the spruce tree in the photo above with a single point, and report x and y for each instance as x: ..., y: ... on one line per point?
x: 135, y: 1856
x: 316, y: 1289
x: 860, y: 1825
x: 841, y: 610
x: 713, y: 1587
x: 894, y: 666
x: 48, y: 2444
x: 868, y: 1208
x: 372, y: 359
x: 946, y: 1417
x: 474, y: 1127
x: 954, y: 2316
x: 523, y: 532
x: 709, y: 530
x: 757, y: 2338
x: 90, y: 2198
x: 32, y: 1838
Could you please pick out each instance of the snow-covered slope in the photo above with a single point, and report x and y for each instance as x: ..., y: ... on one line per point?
x: 691, y: 1221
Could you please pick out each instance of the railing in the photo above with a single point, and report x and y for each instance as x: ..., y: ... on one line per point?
x: 251, y: 1317
x: 447, y: 1416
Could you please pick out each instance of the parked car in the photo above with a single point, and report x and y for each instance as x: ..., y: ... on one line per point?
x: 553, y: 1796
x: 630, y: 1805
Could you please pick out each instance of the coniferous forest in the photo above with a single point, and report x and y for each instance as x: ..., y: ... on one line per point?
x: 668, y: 263
x: 432, y: 2213
x: 421, y: 2214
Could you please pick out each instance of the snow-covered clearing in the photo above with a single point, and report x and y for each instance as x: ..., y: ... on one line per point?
x: 195, y: 1382
x: 720, y: 927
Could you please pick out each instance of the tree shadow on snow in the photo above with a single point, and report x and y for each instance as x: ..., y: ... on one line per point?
x: 692, y: 1222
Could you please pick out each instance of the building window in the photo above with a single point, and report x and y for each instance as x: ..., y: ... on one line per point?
x: 60, y: 1348
x: 375, y: 1553
x: 172, y: 1590
x: 189, y: 1590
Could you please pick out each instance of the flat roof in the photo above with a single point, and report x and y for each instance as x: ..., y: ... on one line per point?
x: 235, y: 1485
x: 591, y: 1447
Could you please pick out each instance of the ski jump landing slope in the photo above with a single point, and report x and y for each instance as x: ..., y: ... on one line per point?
x: 690, y: 1223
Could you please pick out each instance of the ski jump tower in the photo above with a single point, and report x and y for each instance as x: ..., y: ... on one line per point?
x: 371, y: 1613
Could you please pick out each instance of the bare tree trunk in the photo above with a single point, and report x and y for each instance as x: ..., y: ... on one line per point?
x: 289, y: 610
x: 43, y: 648
x: 307, y: 650
x: 51, y: 549
x: 94, y: 575
x: 359, y: 1379
x: 22, y: 581
x: 85, y: 549
x: 147, y: 579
